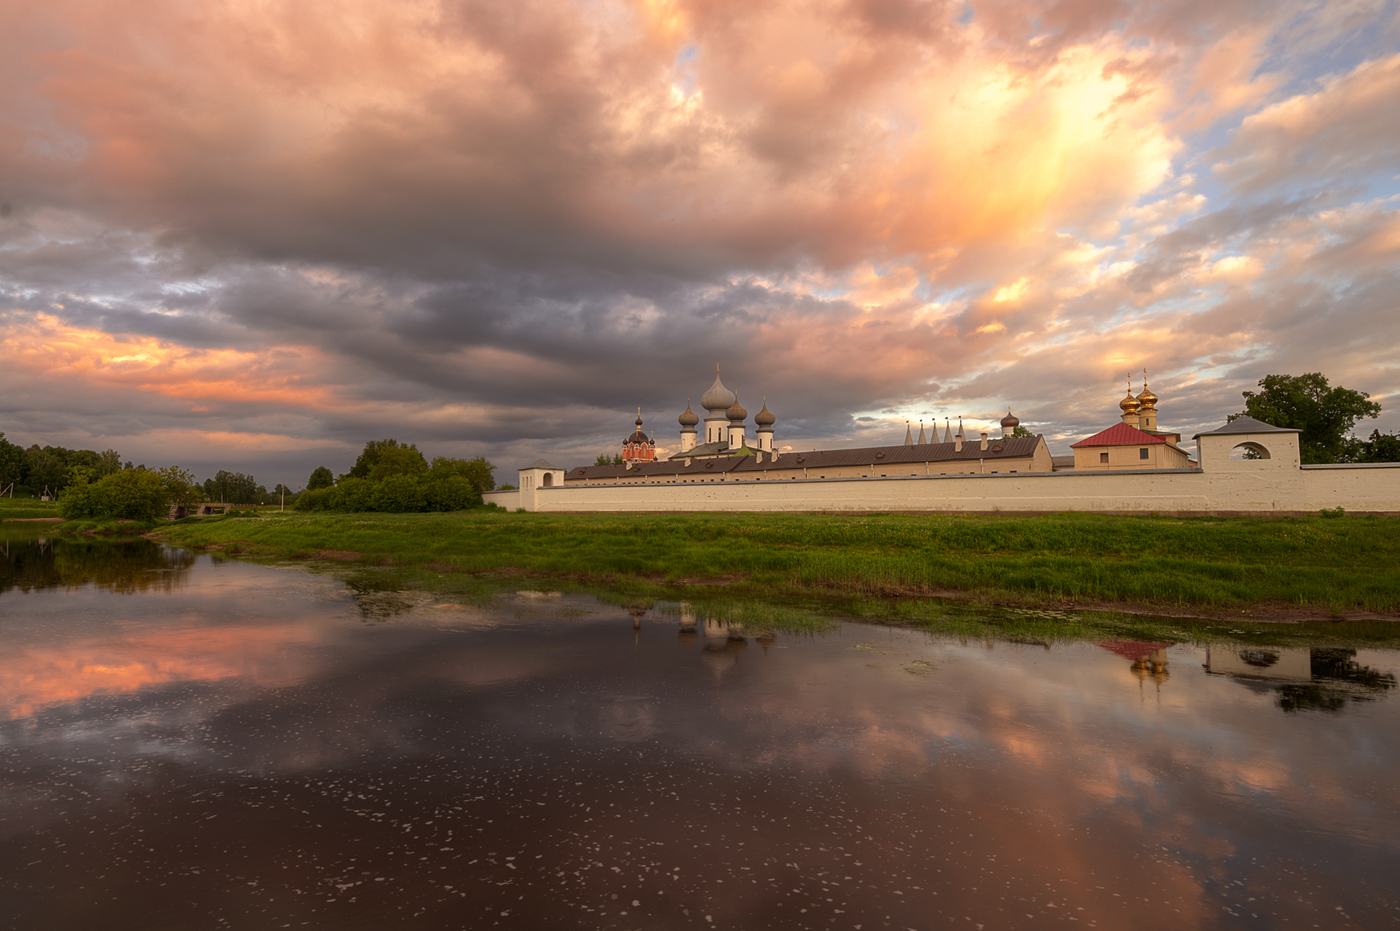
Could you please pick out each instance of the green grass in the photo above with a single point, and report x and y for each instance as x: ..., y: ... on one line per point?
x: 23, y: 508
x: 1335, y: 565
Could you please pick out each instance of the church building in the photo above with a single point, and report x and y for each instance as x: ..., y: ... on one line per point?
x: 1134, y: 442
x: 727, y: 454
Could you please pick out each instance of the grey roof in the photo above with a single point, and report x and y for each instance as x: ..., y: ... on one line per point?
x: 1011, y: 448
x: 717, y: 448
x: 541, y: 464
x: 1247, y: 424
x: 999, y: 448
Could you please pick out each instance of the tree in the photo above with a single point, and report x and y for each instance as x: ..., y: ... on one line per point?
x: 602, y: 460
x: 1020, y: 431
x: 11, y: 463
x: 382, y: 458
x: 477, y: 471
x: 1381, y: 447
x: 321, y: 477
x: 1325, y: 415
x: 179, y: 484
x: 132, y: 494
x: 45, y: 468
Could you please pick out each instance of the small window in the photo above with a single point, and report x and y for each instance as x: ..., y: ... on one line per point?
x: 1103, y: 458
x: 1142, y: 453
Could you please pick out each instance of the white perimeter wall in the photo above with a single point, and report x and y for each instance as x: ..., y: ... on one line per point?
x: 1236, y: 487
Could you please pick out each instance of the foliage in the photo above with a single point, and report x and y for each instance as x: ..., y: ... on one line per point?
x: 398, y: 494
x: 1020, y: 431
x: 1324, y: 414
x: 478, y: 471
x: 383, y: 458
x: 11, y: 463
x: 180, y: 487
x: 321, y: 477
x: 234, y: 488
x: 1381, y: 447
x: 131, y: 494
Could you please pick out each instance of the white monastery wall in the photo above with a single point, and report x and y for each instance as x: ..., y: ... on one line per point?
x: 1229, y: 487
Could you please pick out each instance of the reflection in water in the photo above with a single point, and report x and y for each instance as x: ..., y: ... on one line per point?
x: 245, y: 751
x: 124, y: 566
x: 1308, y: 678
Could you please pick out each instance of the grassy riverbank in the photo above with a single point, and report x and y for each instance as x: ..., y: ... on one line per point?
x: 26, y: 508
x: 1245, y: 566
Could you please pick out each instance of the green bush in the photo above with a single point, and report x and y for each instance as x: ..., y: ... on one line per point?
x: 398, y: 494
x: 453, y: 493
x: 319, y: 499
x: 131, y: 494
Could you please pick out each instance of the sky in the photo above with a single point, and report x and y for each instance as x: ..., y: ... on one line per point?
x: 253, y: 234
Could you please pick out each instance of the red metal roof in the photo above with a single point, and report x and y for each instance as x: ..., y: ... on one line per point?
x: 1120, y: 434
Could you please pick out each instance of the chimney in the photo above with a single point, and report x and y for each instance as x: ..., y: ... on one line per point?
x: 984, y: 441
x: 957, y: 442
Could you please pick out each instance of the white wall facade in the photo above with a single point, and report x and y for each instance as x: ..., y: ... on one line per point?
x: 1233, y: 490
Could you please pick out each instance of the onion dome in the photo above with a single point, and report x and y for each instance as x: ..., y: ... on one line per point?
x: 1129, y: 404
x: 718, y: 397
x: 736, y: 412
x: 1010, y: 421
x: 639, y: 436
x: 764, y: 418
x: 1146, y: 399
x: 689, y: 418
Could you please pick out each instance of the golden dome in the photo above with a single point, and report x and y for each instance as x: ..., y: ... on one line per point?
x: 1129, y: 404
x: 1146, y: 398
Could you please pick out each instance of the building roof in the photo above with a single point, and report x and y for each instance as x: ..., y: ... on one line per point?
x: 997, y: 448
x: 1121, y: 434
x: 717, y: 448
x: 541, y: 464
x: 722, y: 460
x: 1246, y: 424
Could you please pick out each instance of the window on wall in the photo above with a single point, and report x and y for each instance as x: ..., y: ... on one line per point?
x: 1103, y: 458
x: 1142, y: 453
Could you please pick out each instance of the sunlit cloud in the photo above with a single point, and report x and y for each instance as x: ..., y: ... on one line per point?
x: 499, y: 228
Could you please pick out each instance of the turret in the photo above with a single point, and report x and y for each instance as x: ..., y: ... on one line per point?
x: 1009, y: 423
x: 688, y: 419
x: 736, y: 415
x: 764, y: 420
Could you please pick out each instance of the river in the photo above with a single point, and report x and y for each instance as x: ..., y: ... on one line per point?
x: 194, y: 742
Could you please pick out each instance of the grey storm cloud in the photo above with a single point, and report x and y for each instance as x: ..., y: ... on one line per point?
x: 246, y: 236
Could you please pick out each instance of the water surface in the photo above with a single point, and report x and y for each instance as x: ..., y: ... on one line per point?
x: 187, y: 742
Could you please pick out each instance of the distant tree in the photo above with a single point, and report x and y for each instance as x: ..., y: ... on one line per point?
x: 602, y: 460
x: 1020, y: 431
x: 321, y: 477
x: 1381, y: 447
x: 11, y: 463
x: 179, y: 484
x: 477, y: 471
x: 233, y: 488
x: 108, y: 461
x: 45, y: 468
x: 1325, y: 415
x: 382, y: 458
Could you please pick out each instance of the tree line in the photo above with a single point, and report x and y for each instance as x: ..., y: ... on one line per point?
x: 397, y: 478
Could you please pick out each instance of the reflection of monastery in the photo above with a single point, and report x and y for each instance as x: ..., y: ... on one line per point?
x: 1301, y: 678
x: 1132, y: 466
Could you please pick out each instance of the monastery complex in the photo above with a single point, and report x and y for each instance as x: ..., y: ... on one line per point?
x: 1132, y: 466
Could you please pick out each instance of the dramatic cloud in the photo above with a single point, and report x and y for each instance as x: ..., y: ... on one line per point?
x: 248, y: 236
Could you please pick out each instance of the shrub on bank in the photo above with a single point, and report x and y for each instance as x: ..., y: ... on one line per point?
x: 131, y: 494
